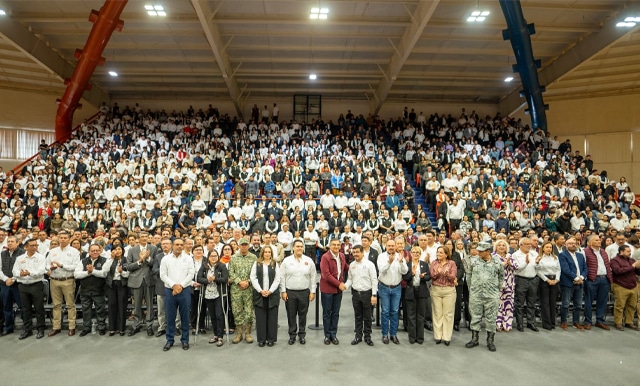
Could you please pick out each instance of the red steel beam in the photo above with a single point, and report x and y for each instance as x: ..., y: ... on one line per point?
x: 104, y: 23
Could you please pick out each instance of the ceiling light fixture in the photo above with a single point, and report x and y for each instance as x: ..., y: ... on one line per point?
x: 2, y: 12
x: 313, y: 77
x: 113, y: 73
x: 319, y: 13
x: 155, y: 10
x: 508, y: 79
x: 478, y: 16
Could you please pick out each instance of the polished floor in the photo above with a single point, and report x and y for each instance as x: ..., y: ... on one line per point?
x: 523, y: 358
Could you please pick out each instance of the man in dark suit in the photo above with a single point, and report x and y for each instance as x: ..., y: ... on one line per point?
x: 10, y: 293
x: 416, y: 295
x: 573, y: 268
x: 598, y: 283
x: 139, y: 263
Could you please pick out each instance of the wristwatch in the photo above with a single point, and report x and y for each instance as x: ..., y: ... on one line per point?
x: 374, y: 295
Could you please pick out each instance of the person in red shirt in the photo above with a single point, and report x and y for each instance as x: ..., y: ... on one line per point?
x: 624, y: 270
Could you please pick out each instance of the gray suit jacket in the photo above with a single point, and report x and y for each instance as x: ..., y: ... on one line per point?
x: 139, y: 272
x: 155, y: 271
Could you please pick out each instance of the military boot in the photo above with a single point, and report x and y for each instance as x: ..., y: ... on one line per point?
x: 238, y: 337
x: 474, y: 340
x: 247, y: 333
x: 490, y: 345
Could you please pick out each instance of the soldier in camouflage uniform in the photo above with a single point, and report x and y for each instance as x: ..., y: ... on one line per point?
x: 485, y: 278
x: 241, y: 290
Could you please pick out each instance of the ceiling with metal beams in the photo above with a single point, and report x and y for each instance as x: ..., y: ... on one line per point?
x: 380, y: 50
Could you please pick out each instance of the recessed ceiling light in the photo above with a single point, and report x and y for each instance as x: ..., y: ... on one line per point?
x: 313, y: 77
x: 478, y: 16
x: 508, y: 79
x: 155, y: 10
x: 113, y: 73
x: 627, y: 24
x: 633, y: 19
x: 2, y: 12
x: 319, y: 13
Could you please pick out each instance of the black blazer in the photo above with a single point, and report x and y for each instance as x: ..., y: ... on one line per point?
x: 455, y: 256
x: 373, y: 257
x: 424, y: 287
x: 221, y: 277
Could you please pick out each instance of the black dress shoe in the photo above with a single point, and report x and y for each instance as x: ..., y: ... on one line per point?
x: 520, y: 328
x: 327, y: 341
x: 134, y: 331
x: 303, y: 341
x: 532, y: 327
x: 102, y: 332
x: 355, y: 341
x: 456, y: 327
x: 385, y: 339
x: 160, y: 333
x: 185, y: 346
x: 121, y: 333
x: 112, y: 333
x: 395, y: 340
x: 150, y: 331
x: 84, y: 333
x: 438, y: 341
x: 368, y: 341
x: 25, y: 334
x: 167, y: 346
x: 335, y: 340
x: 40, y: 335
x: 261, y: 344
x: 446, y: 342
x: 270, y: 343
x: 4, y: 333
x: 428, y: 326
x: 292, y: 341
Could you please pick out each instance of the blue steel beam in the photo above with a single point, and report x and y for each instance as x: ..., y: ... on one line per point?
x: 519, y: 33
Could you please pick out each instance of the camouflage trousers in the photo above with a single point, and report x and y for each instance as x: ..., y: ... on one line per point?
x: 487, y: 306
x: 242, y: 304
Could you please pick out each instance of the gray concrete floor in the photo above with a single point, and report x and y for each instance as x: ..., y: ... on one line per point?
x: 527, y: 358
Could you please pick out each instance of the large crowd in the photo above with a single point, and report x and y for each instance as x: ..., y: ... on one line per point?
x: 245, y: 204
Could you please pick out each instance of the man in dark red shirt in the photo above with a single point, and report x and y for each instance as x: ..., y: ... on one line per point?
x: 624, y: 271
x: 333, y: 268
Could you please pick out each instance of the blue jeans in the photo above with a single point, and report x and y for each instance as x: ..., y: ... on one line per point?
x: 390, y: 305
x: 597, y: 290
x: 330, y: 313
x: 9, y: 295
x: 571, y: 294
x: 181, y: 302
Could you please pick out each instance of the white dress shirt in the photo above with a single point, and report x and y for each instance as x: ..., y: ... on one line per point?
x: 524, y: 269
x: 362, y: 276
x: 69, y: 257
x: 297, y: 274
x: 262, y: 283
x: 177, y: 270
x: 36, y: 265
x: 391, y: 274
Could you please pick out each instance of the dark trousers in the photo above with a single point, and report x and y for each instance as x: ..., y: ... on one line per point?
x: 458, y: 312
x: 465, y: 296
x: 597, y: 290
x: 193, y: 317
x: 118, y: 299
x: 144, y: 292
x: 297, y: 306
x: 266, y: 321
x: 214, y: 307
x: 571, y: 294
x: 526, y: 292
x: 548, y: 298
x: 416, y: 307
x: 101, y: 312
x: 330, y: 313
x: 32, y: 295
x: 362, y: 308
x: 311, y: 250
x: 9, y: 295
x: 427, y: 311
x: 174, y: 304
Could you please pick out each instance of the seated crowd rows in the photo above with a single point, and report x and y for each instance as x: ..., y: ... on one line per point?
x: 130, y: 185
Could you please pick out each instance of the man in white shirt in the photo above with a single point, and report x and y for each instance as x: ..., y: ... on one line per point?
x: 177, y: 273
x: 363, y: 282
x: 29, y: 272
x: 526, y: 284
x: 297, y: 286
x: 285, y: 238
x: 62, y: 262
x: 391, y: 266
x: 43, y: 243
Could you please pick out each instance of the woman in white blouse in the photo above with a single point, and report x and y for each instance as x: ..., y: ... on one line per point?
x: 548, y: 270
